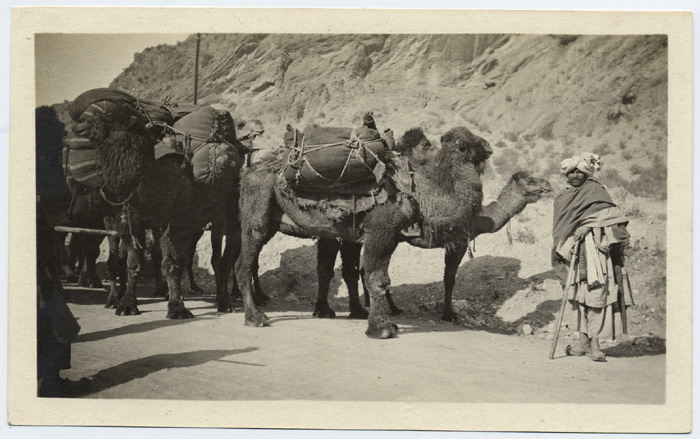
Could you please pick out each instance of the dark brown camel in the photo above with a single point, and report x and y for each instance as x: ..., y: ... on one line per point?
x: 521, y: 190
x: 164, y: 200
x: 444, y: 197
x: 142, y: 193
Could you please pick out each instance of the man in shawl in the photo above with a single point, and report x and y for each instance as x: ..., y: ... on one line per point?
x: 585, y: 213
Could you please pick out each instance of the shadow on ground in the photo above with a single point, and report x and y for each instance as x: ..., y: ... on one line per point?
x: 137, y: 328
x: 135, y: 369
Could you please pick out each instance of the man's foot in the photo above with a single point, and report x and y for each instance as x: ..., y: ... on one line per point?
x: 581, y: 348
x: 596, y: 353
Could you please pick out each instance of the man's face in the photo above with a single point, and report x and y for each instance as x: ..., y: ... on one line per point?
x: 576, y: 178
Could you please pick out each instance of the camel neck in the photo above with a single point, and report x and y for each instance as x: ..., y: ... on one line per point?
x: 508, y: 204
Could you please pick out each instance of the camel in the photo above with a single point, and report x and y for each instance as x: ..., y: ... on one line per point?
x: 141, y: 193
x: 443, y: 197
x: 148, y: 187
x: 521, y: 190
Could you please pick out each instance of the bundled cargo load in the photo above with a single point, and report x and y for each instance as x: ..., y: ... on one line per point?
x: 208, y: 139
x: 334, y: 157
x: 86, y: 99
x: 179, y: 110
x: 118, y: 110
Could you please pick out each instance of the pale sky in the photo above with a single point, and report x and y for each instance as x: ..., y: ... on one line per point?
x: 69, y: 64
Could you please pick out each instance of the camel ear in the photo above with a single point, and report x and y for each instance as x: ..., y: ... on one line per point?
x: 520, y: 174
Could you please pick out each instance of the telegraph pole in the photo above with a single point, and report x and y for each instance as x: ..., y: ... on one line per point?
x: 196, y: 69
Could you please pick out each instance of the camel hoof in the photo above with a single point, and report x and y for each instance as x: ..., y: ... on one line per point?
x: 323, y: 311
x: 358, y: 314
x: 87, y: 282
x: 257, y: 320
x: 178, y: 311
x: 387, y: 332
x: 127, y: 311
x: 381, y: 328
x: 224, y: 308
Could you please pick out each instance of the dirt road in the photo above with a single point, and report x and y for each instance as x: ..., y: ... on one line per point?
x: 304, y: 358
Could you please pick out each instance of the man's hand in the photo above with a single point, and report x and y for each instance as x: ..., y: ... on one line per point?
x: 581, y: 233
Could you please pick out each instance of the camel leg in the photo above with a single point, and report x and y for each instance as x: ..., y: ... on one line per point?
x: 326, y: 252
x: 231, y: 252
x: 68, y: 258
x: 114, y: 266
x: 380, y: 244
x: 350, y: 255
x: 194, y: 288
x: 395, y: 310
x: 174, y: 244
x: 222, y: 259
x: 259, y: 293
x: 134, y: 261
x: 251, y: 244
x: 90, y: 251
x: 157, y: 260
x: 452, y: 261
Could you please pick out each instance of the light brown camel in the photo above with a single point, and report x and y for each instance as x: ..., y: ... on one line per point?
x: 443, y: 197
x: 521, y: 190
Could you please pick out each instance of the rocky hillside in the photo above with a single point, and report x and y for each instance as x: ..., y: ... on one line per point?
x: 536, y: 98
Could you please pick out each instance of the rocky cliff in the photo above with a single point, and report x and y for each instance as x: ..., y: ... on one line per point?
x: 536, y: 98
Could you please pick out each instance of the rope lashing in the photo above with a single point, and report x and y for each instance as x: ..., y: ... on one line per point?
x: 104, y: 197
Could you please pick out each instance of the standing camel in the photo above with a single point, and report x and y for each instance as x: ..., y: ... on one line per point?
x: 521, y: 190
x: 142, y: 193
x: 444, y: 199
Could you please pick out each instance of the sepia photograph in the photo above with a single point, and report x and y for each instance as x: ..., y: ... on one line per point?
x: 371, y: 221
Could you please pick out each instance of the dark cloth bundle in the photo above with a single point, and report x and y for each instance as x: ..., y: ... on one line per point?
x: 210, y: 143
x: 181, y: 110
x: 333, y: 157
x: 86, y: 99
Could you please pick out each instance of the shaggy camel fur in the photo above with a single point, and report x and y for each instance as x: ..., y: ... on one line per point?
x: 142, y: 193
x: 446, y: 197
x: 521, y: 190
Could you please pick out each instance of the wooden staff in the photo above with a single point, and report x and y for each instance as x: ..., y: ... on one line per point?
x: 569, y: 282
x: 64, y: 229
x: 622, y: 283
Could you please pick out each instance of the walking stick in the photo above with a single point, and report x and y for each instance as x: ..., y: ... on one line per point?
x: 569, y: 282
x: 621, y: 296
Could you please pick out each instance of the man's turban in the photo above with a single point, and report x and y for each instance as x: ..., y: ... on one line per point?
x: 586, y: 162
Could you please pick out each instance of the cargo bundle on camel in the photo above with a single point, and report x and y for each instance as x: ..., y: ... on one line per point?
x: 145, y: 183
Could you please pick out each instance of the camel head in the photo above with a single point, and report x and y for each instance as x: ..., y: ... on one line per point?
x: 529, y: 187
x: 414, y: 145
x: 466, y: 147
